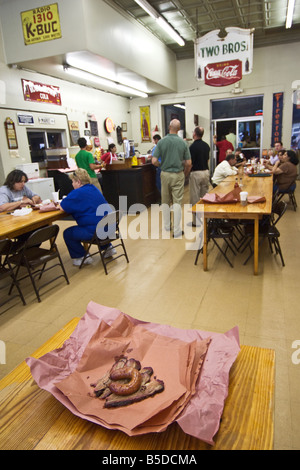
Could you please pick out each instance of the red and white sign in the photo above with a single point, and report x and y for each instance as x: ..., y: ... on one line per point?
x: 34, y: 91
x: 223, y: 73
x: 214, y: 48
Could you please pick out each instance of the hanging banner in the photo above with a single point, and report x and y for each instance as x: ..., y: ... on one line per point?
x: 277, y: 118
x: 211, y: 49
x: 41, y: 24
x: 34, y: 91
x: 223, y: 73
x: 145, y: 123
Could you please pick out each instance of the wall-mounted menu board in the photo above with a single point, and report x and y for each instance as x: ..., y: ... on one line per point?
x: 74, y: 132
x: 94, y: 128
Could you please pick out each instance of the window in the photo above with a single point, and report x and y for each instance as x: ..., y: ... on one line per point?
x: 237, y: 107
x: 40, y: 140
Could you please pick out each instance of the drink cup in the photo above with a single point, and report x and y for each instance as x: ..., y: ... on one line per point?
x: 55, y: 197
x: 243, y: 198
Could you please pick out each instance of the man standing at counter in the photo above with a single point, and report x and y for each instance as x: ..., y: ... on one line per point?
x: 175, y: 165
x: 85, y: 160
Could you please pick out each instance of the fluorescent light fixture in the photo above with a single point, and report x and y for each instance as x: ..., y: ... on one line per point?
x: 148, y: 8
x: 103, y: 81
x: 290, y: 13
x: 171, y: 32
x: 160, y: 21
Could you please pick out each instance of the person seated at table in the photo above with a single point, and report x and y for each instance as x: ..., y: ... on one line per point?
x: 110, y: 155
x: 225, y: 168
x: 285, y: 171
x: 14, y: 194
x: 82, y: 203
x: 272, y: 158
x: 240, y: 158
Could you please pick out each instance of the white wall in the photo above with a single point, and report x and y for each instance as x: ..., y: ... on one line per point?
x: 77, y: 102
x: 275, y: 68
x: 94, y: 26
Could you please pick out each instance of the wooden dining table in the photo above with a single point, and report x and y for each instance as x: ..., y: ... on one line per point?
x: 255, y: 186
x: 13, y: 226
x: 32, y: 419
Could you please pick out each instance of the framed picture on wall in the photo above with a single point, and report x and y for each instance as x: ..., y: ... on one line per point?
x: 124, y: 126
x: 145, y: 123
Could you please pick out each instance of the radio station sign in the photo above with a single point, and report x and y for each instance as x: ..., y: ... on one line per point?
x: 39, y: 92
x: 212, y: 50
x: 41, y: 24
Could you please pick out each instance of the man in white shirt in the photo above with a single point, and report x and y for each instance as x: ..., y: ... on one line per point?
x: 224, y: 169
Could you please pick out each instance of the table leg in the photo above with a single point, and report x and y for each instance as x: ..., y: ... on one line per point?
x: 205, y: 267
x: 256, y: 240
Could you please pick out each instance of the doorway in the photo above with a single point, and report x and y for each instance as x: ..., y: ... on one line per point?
x: 241, y: 121
x: 174, y: 111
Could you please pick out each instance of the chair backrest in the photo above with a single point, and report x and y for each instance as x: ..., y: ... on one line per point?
x: 108, y: 225
x: 5, y: 246
x: 42, y: 235
x: 278, y: 210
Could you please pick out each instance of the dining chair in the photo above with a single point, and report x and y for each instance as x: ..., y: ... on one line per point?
x: 268, y: 230
x: 107, y: 237
x: 34, y: 257
x: 219, y: 230
x: 291, y: 193
x: 6, y: 270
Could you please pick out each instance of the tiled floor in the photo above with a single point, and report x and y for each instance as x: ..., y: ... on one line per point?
x: 162, y: 284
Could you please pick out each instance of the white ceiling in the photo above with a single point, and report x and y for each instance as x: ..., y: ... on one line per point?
x: 191, y: 19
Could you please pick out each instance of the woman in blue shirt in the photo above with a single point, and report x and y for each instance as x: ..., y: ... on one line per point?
x: 83, y: 204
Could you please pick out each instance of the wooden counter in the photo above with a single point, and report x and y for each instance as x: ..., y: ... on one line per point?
x: 32, y: 418
x: 137, y: 183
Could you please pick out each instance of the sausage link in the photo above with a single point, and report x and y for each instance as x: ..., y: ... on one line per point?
x: 125, y: 373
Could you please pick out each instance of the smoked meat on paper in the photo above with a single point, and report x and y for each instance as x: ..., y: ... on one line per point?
x: 195, y: 389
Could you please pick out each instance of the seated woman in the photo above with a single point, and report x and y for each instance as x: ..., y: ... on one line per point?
x: 14, y: 194
x: 110, y: 155
x: 82, y: 203
x: 285, y: 170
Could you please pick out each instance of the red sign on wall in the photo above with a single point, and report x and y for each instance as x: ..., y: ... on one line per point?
x: 223, y: 73
x: 34, y: 91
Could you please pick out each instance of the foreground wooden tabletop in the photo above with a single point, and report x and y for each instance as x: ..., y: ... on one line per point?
x: 31, y: 418
x: 12, y: 226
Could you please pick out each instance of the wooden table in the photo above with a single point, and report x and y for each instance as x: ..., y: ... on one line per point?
x: 13, y: 226
x: 32, y: 418
x: 255, y: 186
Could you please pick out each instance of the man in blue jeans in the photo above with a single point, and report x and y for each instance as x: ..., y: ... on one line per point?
x: 173, y: 152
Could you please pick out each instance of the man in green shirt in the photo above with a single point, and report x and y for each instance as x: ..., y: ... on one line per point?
x: 85, y: 160
x: 175, y: 166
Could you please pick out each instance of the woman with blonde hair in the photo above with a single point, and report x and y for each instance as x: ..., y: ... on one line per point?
x: 83, y: 204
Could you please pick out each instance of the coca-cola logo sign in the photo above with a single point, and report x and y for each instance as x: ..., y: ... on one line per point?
x: 223, y: 73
